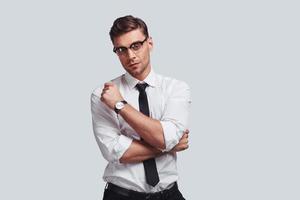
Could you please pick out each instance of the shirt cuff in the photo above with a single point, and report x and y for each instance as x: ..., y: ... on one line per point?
x: 121, y: 146
x: 171, y: 135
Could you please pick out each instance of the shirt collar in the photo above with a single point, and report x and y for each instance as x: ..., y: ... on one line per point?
x: 150, y: 80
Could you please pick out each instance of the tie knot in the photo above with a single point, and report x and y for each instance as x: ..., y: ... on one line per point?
x: 141, y: 87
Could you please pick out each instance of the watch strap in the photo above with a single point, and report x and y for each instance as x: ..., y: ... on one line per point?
x: 118, y: 110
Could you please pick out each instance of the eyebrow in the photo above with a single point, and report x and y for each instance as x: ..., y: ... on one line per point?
x: 129, y: 45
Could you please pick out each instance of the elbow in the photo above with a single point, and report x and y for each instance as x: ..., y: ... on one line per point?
x: 162, y: 145
x: 123, y: 160
x: 160, y: 138
x: 126, y: 158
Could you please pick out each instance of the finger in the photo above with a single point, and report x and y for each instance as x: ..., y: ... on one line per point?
x: 183, y: 141
x: 187, y: 131
x: 106, y: 87
x: 103, y: 92
x: 185, y: 146
x: 184, y: 135
x: 108, y: 84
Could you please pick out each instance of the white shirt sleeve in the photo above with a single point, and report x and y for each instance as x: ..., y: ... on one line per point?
x: 175, y: 116
x: 111, y: 142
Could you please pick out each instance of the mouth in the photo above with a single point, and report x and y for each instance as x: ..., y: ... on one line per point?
x: 133, y: 65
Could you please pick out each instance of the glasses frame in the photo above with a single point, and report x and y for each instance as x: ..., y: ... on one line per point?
x: 130, y: 47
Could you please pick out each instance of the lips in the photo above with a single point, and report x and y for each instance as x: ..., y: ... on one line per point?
x: 132, y: 65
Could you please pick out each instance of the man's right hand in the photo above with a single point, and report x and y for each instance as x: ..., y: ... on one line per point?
x: 183, y: 143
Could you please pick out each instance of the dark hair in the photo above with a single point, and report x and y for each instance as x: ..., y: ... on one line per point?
x: 126, y: 24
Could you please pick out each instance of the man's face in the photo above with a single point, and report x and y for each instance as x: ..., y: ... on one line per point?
x: 134, y: 53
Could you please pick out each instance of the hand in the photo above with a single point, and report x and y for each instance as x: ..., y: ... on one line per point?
x: 111, y: 95
x: 183, y: 143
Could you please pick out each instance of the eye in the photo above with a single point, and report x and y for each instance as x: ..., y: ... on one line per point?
x: 136, y: 46
x: 120, y: 49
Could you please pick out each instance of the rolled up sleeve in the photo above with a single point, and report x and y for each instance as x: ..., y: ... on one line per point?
x: 175, y: 116
x: 111, y: 142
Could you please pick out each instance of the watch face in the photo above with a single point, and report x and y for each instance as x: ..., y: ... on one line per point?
x: 119, y: 105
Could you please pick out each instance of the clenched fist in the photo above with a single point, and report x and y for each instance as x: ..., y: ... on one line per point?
x: 111, y: 95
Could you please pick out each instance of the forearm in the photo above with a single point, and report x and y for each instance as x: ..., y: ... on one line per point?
x: 138, y: 152
x: 149, y: 129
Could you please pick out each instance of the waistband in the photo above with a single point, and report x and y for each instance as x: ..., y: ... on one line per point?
x: 142, y: 195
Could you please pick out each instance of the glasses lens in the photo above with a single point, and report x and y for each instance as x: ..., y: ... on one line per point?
x: 136, y: 46
x: 120, y: 50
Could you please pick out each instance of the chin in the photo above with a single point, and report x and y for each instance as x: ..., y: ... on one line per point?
x: 134, y: 73
x: 136, y: 70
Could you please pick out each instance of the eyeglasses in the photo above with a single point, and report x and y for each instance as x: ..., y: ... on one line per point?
x: 134, y: 47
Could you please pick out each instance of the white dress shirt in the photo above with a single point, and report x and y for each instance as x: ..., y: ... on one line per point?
x: 169, y: 102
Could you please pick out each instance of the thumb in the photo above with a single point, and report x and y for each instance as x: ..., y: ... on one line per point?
x: 108, y: 84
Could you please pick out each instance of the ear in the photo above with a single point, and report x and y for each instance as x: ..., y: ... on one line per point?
x: 150, y: 43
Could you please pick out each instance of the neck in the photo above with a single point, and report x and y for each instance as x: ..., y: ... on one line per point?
x: 145, y: 73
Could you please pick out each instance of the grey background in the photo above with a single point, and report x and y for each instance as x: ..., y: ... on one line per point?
x: 241, y: 59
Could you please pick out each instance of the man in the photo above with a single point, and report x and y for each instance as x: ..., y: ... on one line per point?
x: 140, y: 120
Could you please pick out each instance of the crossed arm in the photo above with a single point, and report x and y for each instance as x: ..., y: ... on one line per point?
x: 139, y: 151
x: 149, y: 129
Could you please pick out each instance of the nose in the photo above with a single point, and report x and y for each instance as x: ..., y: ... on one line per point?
x: 131, y: 54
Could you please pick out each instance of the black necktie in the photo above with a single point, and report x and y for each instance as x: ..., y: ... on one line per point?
x: 152, y: 177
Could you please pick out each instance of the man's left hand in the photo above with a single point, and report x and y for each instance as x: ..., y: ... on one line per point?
x: 183, y: 143
x: 111, y: 95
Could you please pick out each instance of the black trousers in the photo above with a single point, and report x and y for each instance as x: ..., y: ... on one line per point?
x: 114, y: 192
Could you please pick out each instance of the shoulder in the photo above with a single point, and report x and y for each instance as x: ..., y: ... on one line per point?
x: 98, y: 90
x: 171, y: 84
x: 173, y: 88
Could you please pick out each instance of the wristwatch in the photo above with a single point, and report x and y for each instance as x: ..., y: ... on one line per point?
x: 119, y: 105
